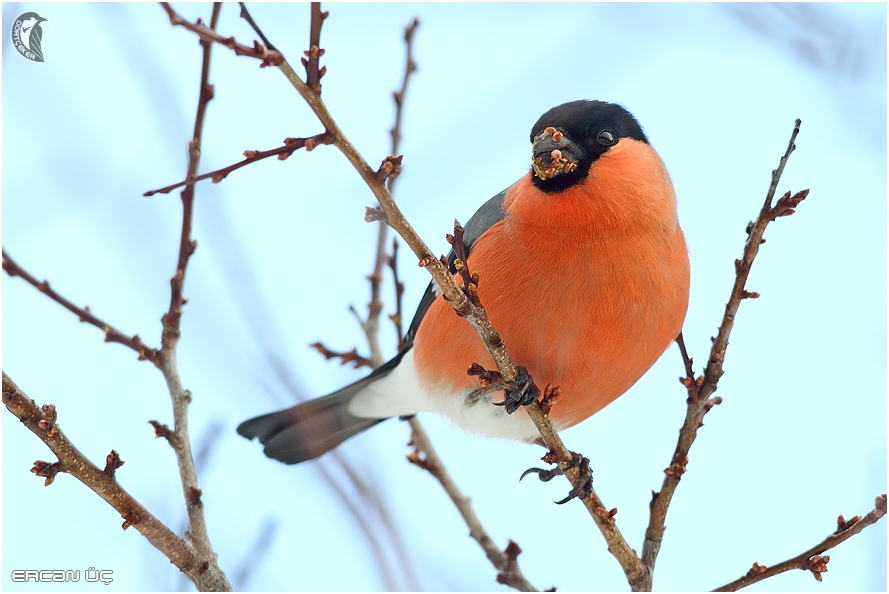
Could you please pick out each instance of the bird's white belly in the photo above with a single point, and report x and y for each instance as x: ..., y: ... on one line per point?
x: 399, y: 394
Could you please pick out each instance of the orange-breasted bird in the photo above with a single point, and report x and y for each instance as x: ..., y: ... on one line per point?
x: 583, y: 270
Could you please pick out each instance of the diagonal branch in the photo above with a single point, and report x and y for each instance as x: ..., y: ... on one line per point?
x: 426, y: 457
x: 204, y: 572
x: 245, y: 14
x: 269, y: 56
x: 701, y: 388
x: 112, y: 334
x: 812, y: 560
x: 282, y: 152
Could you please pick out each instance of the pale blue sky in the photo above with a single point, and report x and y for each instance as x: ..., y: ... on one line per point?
x: 283, y: 251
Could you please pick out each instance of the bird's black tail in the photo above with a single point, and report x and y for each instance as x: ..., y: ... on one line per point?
x: 310, y: 429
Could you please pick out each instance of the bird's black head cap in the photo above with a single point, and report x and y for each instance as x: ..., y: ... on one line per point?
x: 569, y: 138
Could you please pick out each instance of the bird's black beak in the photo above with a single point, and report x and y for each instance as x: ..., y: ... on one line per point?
x: 554, y: 154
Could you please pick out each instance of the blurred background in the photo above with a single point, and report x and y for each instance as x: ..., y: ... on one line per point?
x: 284, y: 250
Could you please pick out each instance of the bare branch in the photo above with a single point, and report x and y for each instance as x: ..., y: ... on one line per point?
x: 269, y: 57
x: 397, y: 317
x: 197, y: 525
x: 371, y: 325
x: 187, y: 245
x: 345, y: 357
x: 314, y: 53
x: 204, y: 572
x: 112, y: 334
x: 282, y: 152
x: 398, y: 96
x: 812, y: 560
x: 701, y: 388
x: 426, y: 457
x: 245, y: 14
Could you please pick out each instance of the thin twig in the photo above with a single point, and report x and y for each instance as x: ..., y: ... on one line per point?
x: 755, y: 232
x: 371, y: 325
x: 282, y: 152
x: 204, y: 572
x: 397, y: 317
x: 345, y: 357
x: 84, y: 314
x: 812, y: 560
x: 269, y: 56
x: 398, y: 96
x: 245, y: 14
x: 314, y: 53
x: 427, y: 458
x: 197, y: 525
x: 700, y: 389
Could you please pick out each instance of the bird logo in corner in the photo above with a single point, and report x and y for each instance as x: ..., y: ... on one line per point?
x: 27, y: 35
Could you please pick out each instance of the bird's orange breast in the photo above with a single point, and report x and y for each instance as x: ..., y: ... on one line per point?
x: 587, y: 286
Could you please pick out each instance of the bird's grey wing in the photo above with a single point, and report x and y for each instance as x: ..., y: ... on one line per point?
x: 491, y: 212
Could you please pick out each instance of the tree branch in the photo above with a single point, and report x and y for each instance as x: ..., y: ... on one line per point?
x: 314, y: 53
x: 345, y: 357
x: 397, y: 317
x: 398, y: 96
x: 269, y: 56
x: 245, y: 14
x: 700, y: 389
x: 197, y: 531
x: 812, y: 560
x: 426, y: 457
x: 203, y: 571
x: 112, y: 334
x: 282, y: 152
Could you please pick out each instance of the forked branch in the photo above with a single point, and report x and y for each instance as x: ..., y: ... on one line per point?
x: 700, y: 389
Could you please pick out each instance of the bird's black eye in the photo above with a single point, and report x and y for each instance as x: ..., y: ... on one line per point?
x: 605, y: 138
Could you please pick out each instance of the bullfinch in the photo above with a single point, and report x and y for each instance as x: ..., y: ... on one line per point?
x: 583, y: 270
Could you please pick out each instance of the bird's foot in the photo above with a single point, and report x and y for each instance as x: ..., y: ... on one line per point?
x: 584, y: 484
x: 519, y: 392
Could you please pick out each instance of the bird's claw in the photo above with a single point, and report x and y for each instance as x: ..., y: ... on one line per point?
x: 584, y: 485
x: 544, y: 475
x: 520, y: 392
